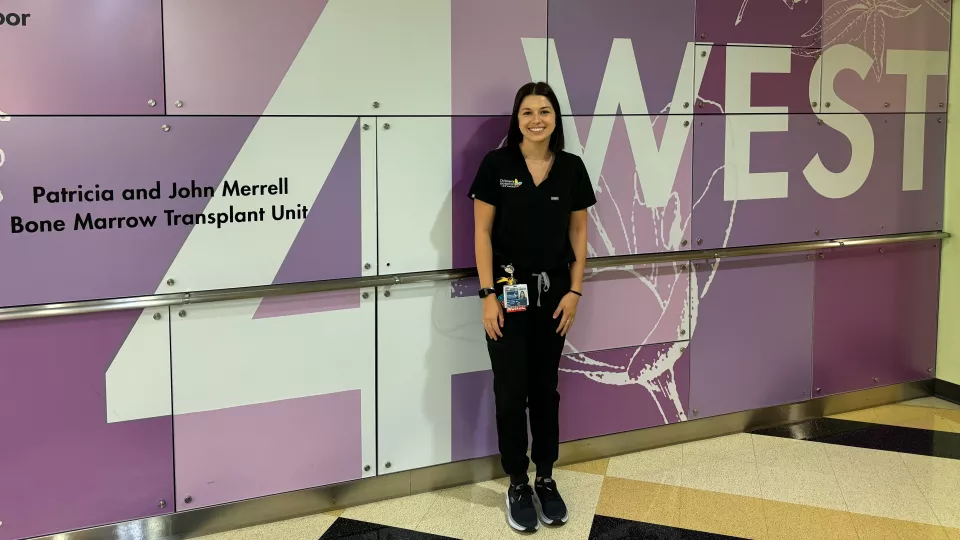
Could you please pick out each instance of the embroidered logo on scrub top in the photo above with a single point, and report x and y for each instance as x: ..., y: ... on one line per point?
x: 504, y: 183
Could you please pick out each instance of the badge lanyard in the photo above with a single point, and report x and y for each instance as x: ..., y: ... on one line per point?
x: 515, y: 296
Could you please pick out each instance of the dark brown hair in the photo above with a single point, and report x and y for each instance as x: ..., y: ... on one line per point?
x: 514, y: 137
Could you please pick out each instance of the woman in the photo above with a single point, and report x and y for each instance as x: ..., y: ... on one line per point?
x: 530, y: 219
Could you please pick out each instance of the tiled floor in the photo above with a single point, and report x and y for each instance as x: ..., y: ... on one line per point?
x: 891, y: 472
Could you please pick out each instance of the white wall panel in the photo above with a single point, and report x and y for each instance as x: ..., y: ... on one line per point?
x: 425, y: 336
x: 415, y: 183
x: 138, y: 379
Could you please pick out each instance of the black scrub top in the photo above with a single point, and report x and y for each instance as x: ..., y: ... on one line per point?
x: 531, y: 229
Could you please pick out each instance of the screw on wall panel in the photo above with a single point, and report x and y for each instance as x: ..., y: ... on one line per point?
x: 814, y: 104
x: 152, y: 102
x: 929, y: 370
x: 887, y: 104
x: 386, y: 126
x: 683, y: 349
x: 388, y: 464
x: 683, y: 242
x: 703, y: 54
x: 386, y: 294
x: 162, y: 504
x: 683, y: 332
x: 686, y: 104
x: 696, y: 412
x: 826, y: 104
x: 376, y: 104
x: 819, y: 390
x: 366, y: 127
x: 941, y: 104
x: 809, y: 257
x: 366, y: 468
x: 700, y: 104
x: 366, y: 266
x: 182, y: 313
x: 165, y: 127
x: 817, y: 232
x: 876, y: 379
x: 939, y: 120
x: 819, y: 122
x: 683, y: 267
x: 157, y: 316
x: 703, y: 35
x: 178, y: 104
x: 170, y: 282
x: 365, y: 296
x: 881, y: 251
x: 699, y: 241
x: 686, y: 123
x: 188, y: 499
x: 820, y: 255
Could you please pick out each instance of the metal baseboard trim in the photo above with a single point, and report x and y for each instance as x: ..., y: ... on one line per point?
x: 947, y: 390
x: 232, y: 516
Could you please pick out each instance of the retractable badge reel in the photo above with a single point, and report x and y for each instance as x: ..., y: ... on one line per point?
x: 515, y: 296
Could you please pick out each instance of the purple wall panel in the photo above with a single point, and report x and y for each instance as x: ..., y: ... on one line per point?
x: 790, y: 90
x: 116, y: 153
x: 229, y: 56
x: 879, y: 206
x: 584, y: 30
x: 875, y: 319
x: 900, y: 26
x: 600, y: 393
x: 90, y: 57
x: 763, y: 22
x: 238, y: 453
x: 488, y: 61
x: 753, y: 334
x: 473, y: 137
x: 63, y: 466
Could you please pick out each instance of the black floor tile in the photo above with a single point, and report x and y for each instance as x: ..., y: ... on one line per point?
x: 921, y: 442
x: 610, y: 528
x: 350, y: 529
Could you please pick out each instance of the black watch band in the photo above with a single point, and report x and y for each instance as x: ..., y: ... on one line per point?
x: 487, y: 292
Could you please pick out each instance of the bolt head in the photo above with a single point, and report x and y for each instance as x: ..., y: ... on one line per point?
x: 366, y: 127
x: 386, y: 294
x: 162, y: 504
x: 182, y: 313
x: 157, y: 316
x: 366, y: 468
x: 376, y: 104
x: 365, y: 296
x: 170, y: 282
x: 386, y: 126
x: 165, y: 127
x: 388, y: 465
x: 178, y: 104
x: 188, y: 499
x: 152, y: 102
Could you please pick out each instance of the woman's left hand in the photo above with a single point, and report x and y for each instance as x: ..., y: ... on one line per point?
x: 566, y: 311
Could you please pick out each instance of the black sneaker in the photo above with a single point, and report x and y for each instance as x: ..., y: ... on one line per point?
x: 521, y: 513
x: 553, y: 511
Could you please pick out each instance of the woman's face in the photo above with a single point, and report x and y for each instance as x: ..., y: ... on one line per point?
x: 536, y: 118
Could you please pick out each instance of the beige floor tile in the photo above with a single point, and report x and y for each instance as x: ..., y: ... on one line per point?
x: 405, y: 512
x: 914, y: 417
x: 661, y: 466
x: 865, y: 415
x: 933, y: 402
x: 640, y: 501
x: 939, y: 481
x: 791, y: 454
x: 878, y: 484
x: 336, y: 513
x: 797, y: 522
x: 721, y: 513
x: 478, y: 512
x: 731, y: 476
x: 306, y: 528
x: 953, y: 534
x: 872, y: 527
x: 802, y: 487
x: 737, y: 447
x: 591, y: 467
x: 474, y: 512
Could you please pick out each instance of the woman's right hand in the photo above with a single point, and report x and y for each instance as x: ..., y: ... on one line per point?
x: 492, y: 316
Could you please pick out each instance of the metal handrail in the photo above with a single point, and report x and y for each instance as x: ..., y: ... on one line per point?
x: 264, y: 291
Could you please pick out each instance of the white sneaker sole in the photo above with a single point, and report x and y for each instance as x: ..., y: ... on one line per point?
x: 545, y: 519
x: 513, y: 524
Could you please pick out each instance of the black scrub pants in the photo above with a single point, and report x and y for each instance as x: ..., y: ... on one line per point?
x: 526, y: 363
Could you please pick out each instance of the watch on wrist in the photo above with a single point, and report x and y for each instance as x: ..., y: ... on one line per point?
x: 487, y: 292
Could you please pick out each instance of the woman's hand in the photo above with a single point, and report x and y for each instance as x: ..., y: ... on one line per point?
x: 492, y: 316
x: 566, y: 311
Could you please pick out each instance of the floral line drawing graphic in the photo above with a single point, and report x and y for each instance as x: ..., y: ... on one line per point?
x: 743, y: 8
x: 862, y: 23
x: 656, y: 377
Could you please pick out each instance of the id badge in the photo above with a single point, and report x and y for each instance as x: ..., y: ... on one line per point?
x: 515, y: 298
